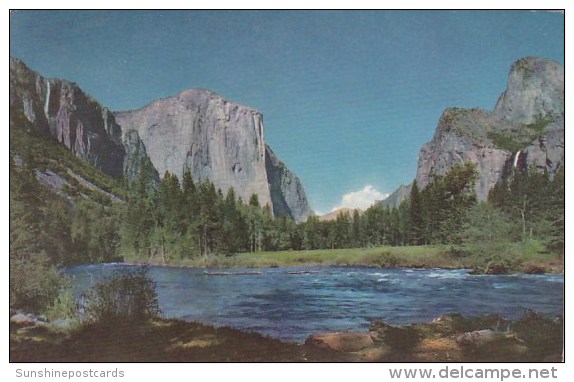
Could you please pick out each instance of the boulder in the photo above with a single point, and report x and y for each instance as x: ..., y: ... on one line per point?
x: 341, y: 342
x: 478, y: 337
x: 21, y: 319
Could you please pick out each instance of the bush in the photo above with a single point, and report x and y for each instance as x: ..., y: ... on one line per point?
x: 386, y: 260
x: 496, y: 265
x: 34, y: 283
x: 127, y: 296
x: 543, y: 335
x: 64, y: 306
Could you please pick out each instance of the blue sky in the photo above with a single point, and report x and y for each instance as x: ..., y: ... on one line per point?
x: 348, y: 97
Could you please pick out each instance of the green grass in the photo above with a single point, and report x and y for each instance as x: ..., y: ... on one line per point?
x: 526, y: 257
x: 409, y: 256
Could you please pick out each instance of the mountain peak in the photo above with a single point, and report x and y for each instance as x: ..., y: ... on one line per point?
x: 535, y: 90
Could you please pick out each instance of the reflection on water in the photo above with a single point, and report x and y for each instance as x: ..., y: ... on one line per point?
x: 291, y: 304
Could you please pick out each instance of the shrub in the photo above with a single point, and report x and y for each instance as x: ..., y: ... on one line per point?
x: 127, y: 296
x: 387, y: 260
x: 495, y: 257
x: 543, y: 335
x: 342, y: 261
x: 34, y: 283
x: 497, y: 265
x: 64, y: 306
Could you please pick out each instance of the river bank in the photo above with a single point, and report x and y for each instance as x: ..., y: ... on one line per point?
x: 449, y: 338
x: 532, y: 260
x: 292, y: 303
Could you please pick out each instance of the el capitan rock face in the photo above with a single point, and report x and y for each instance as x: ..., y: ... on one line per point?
x: 525, y: 129
x: 217, y: 140
x: 136, y: 160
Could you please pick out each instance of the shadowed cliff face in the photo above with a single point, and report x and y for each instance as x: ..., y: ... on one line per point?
x: 526, y: 129
x: 63, y: 110
x: 287, y: 192
x: 137, y: 162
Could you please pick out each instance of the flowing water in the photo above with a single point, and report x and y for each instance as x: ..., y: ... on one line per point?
x: 292, y: 303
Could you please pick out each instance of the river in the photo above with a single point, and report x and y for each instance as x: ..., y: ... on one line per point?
x: 292, y: 303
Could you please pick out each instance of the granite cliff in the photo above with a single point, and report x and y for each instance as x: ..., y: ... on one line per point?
x: 525, y: 129
x: 197, y: 129
x: 217, y: 140
x: 63, y: 110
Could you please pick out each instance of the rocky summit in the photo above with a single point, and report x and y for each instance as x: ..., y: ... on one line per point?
x: 216, y: 139
x: 535, y: 90
x: 526, y: 129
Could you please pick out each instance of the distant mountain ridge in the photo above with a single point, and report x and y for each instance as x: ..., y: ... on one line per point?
x: 197, y: 129
x: 333, y: 215
x: 396, y: 197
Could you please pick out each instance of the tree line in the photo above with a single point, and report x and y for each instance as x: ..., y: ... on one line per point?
x: 178, y: 220
x: 524, y: 205
x: 175, y: 220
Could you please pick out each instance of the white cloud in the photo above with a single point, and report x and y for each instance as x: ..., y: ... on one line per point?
x: 361, y: 199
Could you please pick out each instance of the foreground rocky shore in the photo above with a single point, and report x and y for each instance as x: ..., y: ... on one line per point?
x: 448, y: 338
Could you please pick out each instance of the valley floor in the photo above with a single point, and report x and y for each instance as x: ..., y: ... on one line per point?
x: 532, y: 260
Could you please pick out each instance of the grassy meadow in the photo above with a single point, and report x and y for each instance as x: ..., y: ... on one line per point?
x: 527, y: 257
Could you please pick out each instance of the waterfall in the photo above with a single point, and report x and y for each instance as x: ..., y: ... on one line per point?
x: 47, y: 98
x: 516, y: 156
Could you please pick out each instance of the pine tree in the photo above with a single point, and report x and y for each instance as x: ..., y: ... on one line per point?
x: 357, y: 230
x: 255, y: 220
x: 416, y: 215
